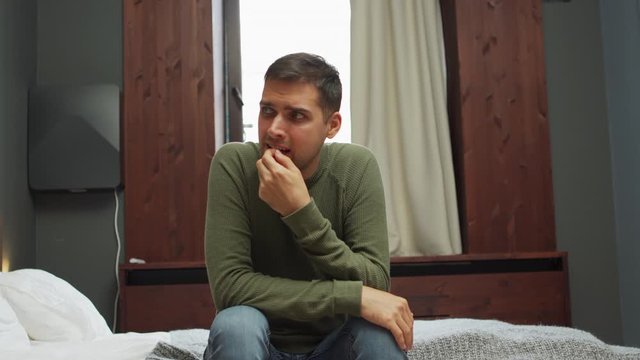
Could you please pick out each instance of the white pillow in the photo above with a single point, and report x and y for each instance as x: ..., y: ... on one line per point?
x: 49, y: 308
x: 12, y: 334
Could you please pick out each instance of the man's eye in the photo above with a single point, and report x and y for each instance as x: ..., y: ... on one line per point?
x: 297, y: 115
x: 266, y: 111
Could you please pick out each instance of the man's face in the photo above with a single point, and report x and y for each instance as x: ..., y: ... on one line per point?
x: 292, y: 121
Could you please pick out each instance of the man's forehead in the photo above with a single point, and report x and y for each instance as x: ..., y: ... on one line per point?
x: 277, y: 91
x: 294, y: 84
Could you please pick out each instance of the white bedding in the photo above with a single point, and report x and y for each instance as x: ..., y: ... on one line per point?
x: 49, y: 308
x: 128, y: 346
x: 43, y: 317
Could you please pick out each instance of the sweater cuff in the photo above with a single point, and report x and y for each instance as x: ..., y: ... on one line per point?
x: 305, y: 220
x: 347, y: 297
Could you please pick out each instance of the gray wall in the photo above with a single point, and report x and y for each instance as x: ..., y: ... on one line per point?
x: 581, y: 164
x: 621, y: 37
x: 17, y: 74
x: 79, y: 42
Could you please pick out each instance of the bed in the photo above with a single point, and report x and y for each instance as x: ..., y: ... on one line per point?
x: 44, y: 317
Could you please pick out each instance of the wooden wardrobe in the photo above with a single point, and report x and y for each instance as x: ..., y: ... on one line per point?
x: 510, y: 269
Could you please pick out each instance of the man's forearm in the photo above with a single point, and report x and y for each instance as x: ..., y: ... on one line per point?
x: 366, y: 259
x: 285, y: 298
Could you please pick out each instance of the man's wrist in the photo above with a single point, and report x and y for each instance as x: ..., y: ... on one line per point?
x: 305, y: 221
x: 296, y: 210
x: 298, y: 206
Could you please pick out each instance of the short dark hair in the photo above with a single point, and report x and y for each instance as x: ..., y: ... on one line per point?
x: 312, y: 69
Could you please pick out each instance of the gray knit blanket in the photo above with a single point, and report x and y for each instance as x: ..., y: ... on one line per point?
x: 452, y: 339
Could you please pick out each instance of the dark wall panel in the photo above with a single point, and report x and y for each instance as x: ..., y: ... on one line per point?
x: 18, y: 21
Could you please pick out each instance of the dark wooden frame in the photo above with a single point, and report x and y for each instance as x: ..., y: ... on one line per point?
x: 233, y: 123
x: 524, y: 288
x: 168, y: 128
x: 499, y: 125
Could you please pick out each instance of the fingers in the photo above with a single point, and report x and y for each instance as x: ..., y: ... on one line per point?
x: 278, y: 164
x: 268, y: 160
x: 391, y: 312
x: 275, y: 161
x: 282, y: 188
x: 284, y: 160
x: 402, y: 333
x: 263, y: 172
x: 408, y: 326
x: 266, y: 177
x: 407, y: 331
x: 404, y: 323
x: 398, y: 334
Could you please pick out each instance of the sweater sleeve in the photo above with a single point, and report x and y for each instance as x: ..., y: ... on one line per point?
x: 363, y: 253
x: 232, y: 277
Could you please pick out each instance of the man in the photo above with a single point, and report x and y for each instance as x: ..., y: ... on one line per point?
x: 296, y: 239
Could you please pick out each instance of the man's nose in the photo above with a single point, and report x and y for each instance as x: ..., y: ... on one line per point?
x: 277, y: 127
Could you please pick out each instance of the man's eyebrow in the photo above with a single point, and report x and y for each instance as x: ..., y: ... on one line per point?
x: 287, y: 108
x: 299, y: 109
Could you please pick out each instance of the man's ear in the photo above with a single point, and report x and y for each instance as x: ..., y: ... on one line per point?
x: 333, y: 124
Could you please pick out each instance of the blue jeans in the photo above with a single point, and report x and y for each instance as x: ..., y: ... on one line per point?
x: 242, y: 332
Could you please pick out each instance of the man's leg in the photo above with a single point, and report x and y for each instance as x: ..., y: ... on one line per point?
x: 239, y: 332
x: 359, y: 339
x: 371, y: 341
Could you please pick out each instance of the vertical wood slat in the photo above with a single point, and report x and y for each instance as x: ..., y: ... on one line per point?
x: 499, y: 124
x: 168, y: 129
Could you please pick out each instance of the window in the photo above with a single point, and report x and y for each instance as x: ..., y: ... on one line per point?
x: 270, y: 29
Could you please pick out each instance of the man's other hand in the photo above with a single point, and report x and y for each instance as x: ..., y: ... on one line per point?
x: 281, y: 184
x: 388, y: 311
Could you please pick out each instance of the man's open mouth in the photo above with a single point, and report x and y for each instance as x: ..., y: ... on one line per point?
x: 282, y: 149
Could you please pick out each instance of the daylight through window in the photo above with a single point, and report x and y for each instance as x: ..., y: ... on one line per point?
x: 270, y: 29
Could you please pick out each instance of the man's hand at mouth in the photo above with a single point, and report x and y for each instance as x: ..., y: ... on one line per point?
x: 283, y: 150
x: 282, y: 186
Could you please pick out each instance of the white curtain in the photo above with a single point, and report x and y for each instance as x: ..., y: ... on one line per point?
x: 398, y: 110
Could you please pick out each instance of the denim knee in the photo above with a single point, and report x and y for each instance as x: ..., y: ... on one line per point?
x: 238, y: 332
x: 370, y: 341
x: 240, y: 319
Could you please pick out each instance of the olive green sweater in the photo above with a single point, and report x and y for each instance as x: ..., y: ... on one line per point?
x: 305, y: 271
